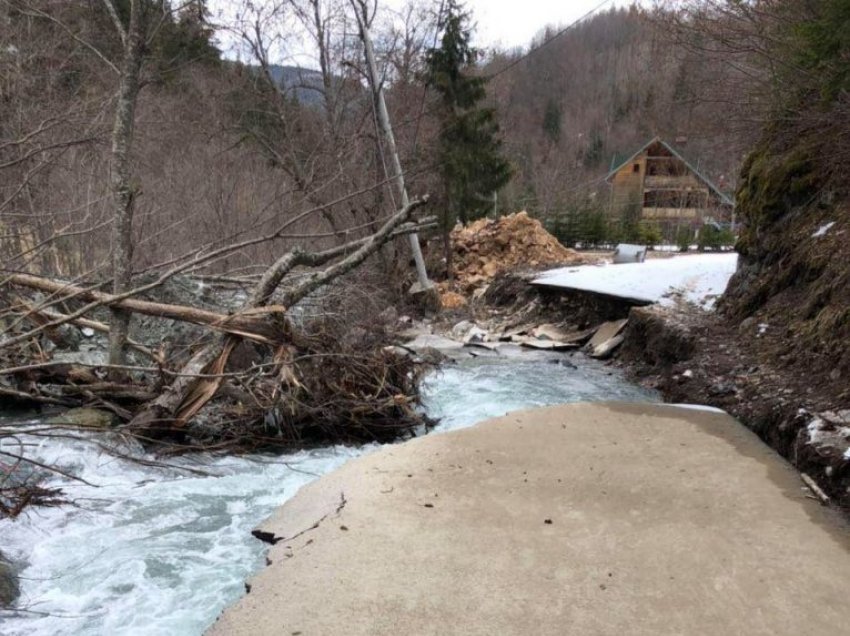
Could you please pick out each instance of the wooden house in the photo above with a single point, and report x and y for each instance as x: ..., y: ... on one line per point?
x: 659, y: 185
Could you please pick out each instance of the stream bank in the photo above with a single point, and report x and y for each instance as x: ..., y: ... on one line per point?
x: 690, y: 352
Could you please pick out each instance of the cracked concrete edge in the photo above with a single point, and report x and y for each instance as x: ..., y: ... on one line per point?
x: 313, y: 507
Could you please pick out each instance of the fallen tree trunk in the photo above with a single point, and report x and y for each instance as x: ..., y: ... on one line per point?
x: 252, y: 324
x: 221, y: 322
x: 184, y: 397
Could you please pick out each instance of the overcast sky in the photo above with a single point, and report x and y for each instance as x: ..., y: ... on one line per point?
x: 512, y: 23
x: 504, y: 24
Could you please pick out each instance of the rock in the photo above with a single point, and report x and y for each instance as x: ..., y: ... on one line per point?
x: 747, y: 325
x: 543, y: 345
x: 549, y: 332
x: 88, y: 332
x: 416, y: 331
x: 510, y: 334
x: 9, y: 587
x: 398, y: 351
x: 719, y: 389
x: 85, y: 418
x: 836, y: 418
x: 429, y: 341
x: 90, y: 354
x: 462, y: 328
x: 478, y: 347
x: 553, y: 332
x: 475, y: 335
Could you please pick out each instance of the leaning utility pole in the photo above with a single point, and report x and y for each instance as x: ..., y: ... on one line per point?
x: 361, y: 11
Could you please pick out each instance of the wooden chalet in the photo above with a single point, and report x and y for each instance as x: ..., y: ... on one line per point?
x: 658, y: 184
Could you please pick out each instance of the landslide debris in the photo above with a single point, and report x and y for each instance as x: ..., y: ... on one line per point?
x: 488, y: 247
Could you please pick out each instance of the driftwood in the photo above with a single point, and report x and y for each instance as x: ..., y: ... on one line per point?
x: 359, y: 392
x: 251, y: 324
x: 180, y: 401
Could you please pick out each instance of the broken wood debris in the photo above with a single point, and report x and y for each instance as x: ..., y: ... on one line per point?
x: 298, y: 386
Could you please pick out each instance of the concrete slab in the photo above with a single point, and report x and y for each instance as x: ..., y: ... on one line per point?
x: 577, y: 519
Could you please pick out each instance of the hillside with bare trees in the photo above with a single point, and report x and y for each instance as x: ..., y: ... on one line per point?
x: 590, y: 96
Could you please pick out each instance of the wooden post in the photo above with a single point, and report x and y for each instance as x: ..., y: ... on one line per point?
x: 360, y: 10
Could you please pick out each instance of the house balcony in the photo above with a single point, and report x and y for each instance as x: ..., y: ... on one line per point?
x: 676, y: 214
x: 669, y: 182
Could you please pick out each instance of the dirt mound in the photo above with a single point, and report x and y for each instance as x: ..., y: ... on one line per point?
x: 486, y: 247
x: 450, y: 299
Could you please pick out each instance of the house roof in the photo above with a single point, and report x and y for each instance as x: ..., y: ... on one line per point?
x: 723, y: 197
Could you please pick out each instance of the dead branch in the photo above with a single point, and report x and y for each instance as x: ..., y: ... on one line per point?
x: 188, y: 394
x: 250, y: 325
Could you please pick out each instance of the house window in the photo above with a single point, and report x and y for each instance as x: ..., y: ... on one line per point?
x: 636, y: 168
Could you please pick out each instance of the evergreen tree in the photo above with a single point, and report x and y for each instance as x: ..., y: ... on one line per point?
x: 472, y: 168
x: 552, y: 121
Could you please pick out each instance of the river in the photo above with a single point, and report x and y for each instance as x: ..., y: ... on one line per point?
x: 161, y: 551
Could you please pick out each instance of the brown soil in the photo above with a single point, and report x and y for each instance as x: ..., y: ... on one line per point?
x: 796, y: 279
x: 486, y: 247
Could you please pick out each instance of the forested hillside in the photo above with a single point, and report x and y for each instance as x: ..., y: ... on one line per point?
x: 588, y: 98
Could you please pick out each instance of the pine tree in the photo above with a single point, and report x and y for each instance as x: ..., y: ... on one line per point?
x: 472, y: 168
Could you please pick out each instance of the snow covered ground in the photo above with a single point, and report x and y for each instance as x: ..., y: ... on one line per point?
x: 697, y: 278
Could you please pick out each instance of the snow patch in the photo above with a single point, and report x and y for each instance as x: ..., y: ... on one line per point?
x: 699, y: 407
x: 698, y: 279
x: 815, y: 428
x: 823, y: 229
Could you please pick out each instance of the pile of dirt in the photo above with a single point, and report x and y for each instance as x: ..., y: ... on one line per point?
x: 486, y: 247
x: 450, y: 299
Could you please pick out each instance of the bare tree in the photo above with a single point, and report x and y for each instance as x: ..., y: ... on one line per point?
x: 123, y: 191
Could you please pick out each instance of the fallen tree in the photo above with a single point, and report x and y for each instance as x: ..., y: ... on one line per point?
x: 363, y: 383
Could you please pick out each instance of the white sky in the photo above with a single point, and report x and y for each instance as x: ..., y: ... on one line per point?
x: 513, y: 23
x: 504, y: 24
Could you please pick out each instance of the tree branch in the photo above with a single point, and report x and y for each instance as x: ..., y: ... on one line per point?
x: 113, y: 13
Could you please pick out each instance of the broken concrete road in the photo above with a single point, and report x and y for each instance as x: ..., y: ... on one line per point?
x: 606, y: 339
x: 576, y: 519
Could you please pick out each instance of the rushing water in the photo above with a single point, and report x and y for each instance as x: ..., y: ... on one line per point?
x: 161, y: 551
